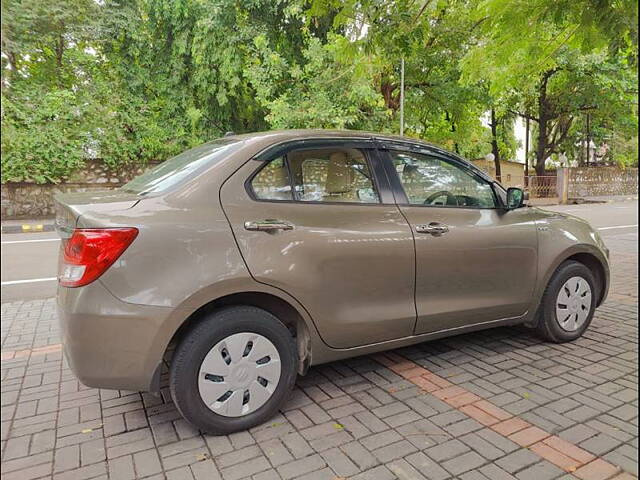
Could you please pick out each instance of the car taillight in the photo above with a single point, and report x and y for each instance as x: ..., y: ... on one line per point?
x: 90, y: 251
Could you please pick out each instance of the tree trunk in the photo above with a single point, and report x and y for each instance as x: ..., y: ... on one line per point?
x: 541, y: 147
x: 494, y: 145
x: 391, y: 99
x: 59, y: 50
x: 544, y: 114
x: 447, y: 117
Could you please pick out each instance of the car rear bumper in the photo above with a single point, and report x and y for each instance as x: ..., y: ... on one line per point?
x: 109, y: 343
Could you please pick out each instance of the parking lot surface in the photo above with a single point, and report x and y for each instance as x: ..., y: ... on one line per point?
x: 499, y: 404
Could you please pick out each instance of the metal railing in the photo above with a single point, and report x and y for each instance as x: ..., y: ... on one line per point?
x: 540, y: 186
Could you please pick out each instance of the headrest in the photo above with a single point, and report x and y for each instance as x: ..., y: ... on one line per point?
x: 411, y: 174
x: 280, y: 175
x: 339, y: 174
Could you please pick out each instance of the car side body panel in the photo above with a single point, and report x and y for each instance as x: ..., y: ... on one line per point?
x: 560, y: 237
x: 108, y: 342
x: 115, y: 344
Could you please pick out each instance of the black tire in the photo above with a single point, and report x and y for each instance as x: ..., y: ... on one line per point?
x: 194, y: 346
x: 548, y: 327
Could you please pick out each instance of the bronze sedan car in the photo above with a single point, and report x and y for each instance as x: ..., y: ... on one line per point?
x: 259, y: 255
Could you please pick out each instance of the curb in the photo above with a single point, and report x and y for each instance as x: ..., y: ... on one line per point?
x: 583, y: 200
x: 29, y: 228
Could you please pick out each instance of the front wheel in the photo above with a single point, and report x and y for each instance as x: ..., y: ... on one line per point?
x: 234, y: 370
x: 568, y: 303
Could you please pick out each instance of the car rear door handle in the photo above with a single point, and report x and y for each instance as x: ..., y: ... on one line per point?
x: 268, y: 225
x: 433, y: 228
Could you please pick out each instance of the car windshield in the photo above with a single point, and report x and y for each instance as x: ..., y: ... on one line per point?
x: 182, y: 166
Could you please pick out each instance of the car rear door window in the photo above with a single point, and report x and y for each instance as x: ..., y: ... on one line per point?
x: 272, y: 181
x: 328, y: 175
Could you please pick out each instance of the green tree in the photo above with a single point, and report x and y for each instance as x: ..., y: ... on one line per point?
x: 561, y: 59
x: 47, y: 68
x: 430, y: 36
x: 45, y: 41
x: 320, y: 91
x: 132, y: 81
x: 43, y: 138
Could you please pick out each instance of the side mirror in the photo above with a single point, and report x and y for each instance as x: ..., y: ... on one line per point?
x: 515, y: 198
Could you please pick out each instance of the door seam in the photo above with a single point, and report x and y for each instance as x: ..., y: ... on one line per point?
x: 383, y: 157
x: 415, y: 269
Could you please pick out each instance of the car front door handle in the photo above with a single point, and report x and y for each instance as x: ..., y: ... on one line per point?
x: 267, y: 225
x: 433, y: 228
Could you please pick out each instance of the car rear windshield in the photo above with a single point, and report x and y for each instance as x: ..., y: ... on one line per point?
x: 181, y: 167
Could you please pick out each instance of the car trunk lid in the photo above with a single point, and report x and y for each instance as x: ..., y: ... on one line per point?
x: 71, y: 206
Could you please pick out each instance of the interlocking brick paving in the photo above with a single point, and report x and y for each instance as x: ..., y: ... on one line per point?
x: 498, y: 404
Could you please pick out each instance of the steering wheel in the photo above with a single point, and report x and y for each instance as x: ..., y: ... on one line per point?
x: 451, y: 198
x: 467, y: 201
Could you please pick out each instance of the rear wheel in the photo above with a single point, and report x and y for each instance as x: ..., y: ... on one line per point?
x: 568, y: 303
x: 233, y: 370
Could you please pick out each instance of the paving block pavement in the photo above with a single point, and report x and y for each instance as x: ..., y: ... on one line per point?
x: 498, y: 404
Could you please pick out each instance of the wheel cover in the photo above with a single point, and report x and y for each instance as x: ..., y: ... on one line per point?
x: 239, y: 374
x: 573, y: 304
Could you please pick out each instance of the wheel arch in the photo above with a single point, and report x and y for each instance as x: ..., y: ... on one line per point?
x: 585, y: 254
x: 277, y: 306
x: 589, y: 256
x: 597, y: 269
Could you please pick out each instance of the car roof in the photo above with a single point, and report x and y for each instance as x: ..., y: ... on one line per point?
x: 273, y: 137
x: 298, y: 134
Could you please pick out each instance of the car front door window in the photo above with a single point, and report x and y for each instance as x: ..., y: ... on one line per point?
x: 433, y: 181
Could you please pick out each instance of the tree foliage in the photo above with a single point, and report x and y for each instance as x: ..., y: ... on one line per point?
x: 559, y: 61
x: 322, y: 89
x: 133, y: 81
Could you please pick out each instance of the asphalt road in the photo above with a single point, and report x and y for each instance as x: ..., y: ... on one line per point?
x: 29, y: 261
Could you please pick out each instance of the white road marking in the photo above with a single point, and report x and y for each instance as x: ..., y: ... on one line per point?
x: 33, y: 280
x: 31, y: 241
x: 618, y: 226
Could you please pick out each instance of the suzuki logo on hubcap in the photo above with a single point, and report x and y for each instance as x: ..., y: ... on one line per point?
x: 241, y: 374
